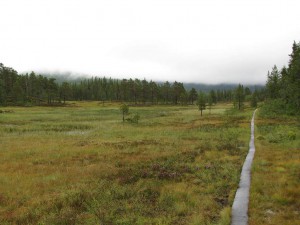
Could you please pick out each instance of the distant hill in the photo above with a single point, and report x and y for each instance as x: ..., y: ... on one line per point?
x: 208, y: 87
x: 71, y: 77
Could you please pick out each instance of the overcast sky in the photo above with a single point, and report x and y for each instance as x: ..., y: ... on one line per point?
x: 209, y: 41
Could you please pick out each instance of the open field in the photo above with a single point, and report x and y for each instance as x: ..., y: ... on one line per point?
x: 275, y: 188
x: 81, y: 165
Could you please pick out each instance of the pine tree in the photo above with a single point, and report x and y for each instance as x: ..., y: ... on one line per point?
x: 273, y: 83
x: 193, y: 95
x: 124, y: 110
x: 201, y: 102
x: 239, y: 96
x: 65, y: 91
x: 213, y: 97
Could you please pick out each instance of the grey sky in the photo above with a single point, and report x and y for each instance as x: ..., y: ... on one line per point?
x: 209, y: 41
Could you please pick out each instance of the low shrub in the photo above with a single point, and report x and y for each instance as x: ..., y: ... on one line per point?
x: 134, y: 119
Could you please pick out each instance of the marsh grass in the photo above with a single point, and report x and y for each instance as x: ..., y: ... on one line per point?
x: 275, y: 189
x: 82, y: 165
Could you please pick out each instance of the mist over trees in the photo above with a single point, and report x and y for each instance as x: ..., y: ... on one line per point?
x: 36, y: 89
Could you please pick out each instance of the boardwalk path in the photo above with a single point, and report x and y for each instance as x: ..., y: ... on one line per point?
x: 241, y: 200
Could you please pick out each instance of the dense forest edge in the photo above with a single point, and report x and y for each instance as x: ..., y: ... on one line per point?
x: 283, y: 87
x: 36, y: 89
x: 281, y: 92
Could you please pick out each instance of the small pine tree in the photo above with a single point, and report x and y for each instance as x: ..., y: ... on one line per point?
x: 201, y: 102
x: 124, y: 110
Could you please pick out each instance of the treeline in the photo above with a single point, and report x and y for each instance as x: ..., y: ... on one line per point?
x: 20, y: 89
x: 283, y: 86
x: 36, y: 89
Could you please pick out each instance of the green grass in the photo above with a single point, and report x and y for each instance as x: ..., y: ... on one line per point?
x: 81, y: 165
x: 275, y: 188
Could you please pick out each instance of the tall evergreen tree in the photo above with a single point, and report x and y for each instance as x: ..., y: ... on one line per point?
x: 65, y: 91
x: 193, y: 95
x: 177, y: 90
x: 239, y: 96
x: 166, y: 92
x: 273, y: 83
x: 213, y: 97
